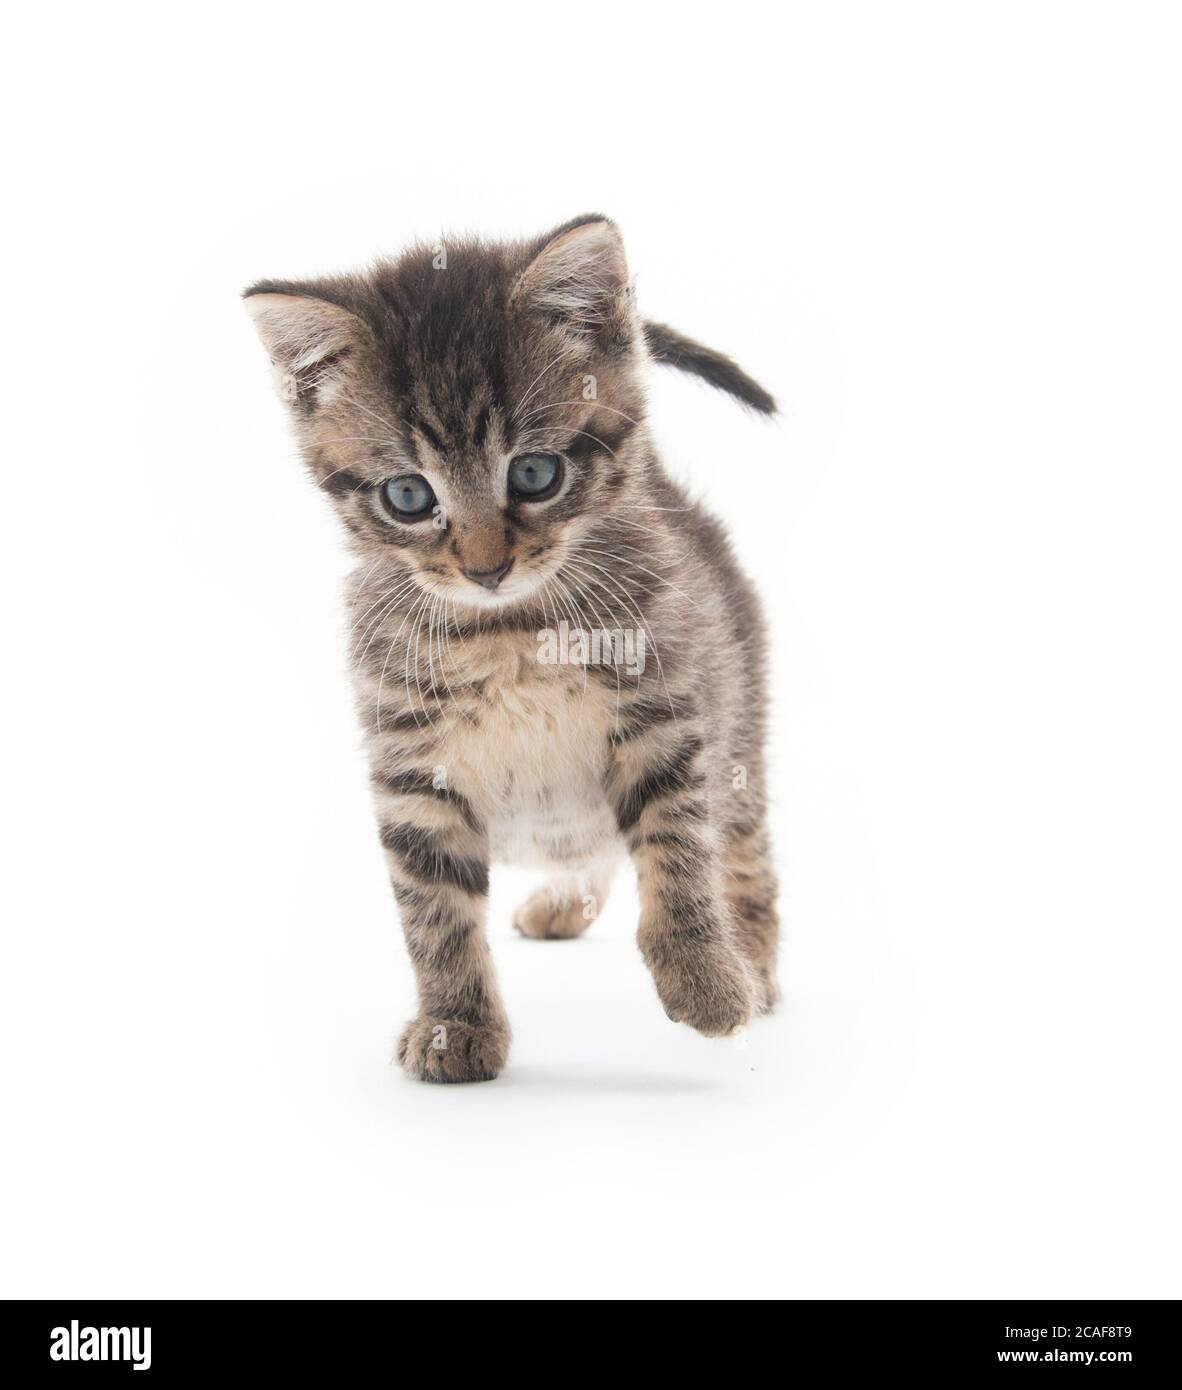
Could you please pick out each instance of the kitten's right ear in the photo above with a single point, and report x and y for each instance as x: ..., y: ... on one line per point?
x: 308, y: 339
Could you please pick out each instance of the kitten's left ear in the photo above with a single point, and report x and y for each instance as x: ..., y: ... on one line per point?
x: 307, y: 338
x: 579, y: 280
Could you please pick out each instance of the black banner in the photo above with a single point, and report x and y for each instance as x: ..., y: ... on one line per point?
x: 158, y: 1342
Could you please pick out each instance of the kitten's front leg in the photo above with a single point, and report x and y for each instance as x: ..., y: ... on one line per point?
x: 437, y: 851
x: 658, y: 790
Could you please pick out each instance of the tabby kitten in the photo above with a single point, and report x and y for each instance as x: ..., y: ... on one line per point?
x: 557, y: 658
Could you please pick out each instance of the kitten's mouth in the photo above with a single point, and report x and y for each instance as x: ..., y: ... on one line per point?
x: 503, y: 594
x: 487, y: 593
x: 491, y: 579
x: 497, y: 590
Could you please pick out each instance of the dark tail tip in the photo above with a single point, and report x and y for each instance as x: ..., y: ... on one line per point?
x: 676, y: 350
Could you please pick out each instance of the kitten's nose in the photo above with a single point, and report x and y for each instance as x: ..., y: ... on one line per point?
x: 489, y: 579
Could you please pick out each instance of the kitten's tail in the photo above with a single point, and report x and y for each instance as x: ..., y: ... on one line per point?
x: 667, y: 345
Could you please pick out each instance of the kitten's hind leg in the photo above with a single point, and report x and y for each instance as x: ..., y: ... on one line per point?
x: 750, y: 886
x: 567, y: 905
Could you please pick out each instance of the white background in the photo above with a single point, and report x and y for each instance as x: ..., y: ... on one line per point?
x: 948, y: 238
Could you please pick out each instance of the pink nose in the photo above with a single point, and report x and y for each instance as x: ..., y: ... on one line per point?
x: 489, y: 579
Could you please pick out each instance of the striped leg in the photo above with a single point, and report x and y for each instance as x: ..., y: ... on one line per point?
x: 751, y: 890
x: 658, y: 791
x: 438, y: 857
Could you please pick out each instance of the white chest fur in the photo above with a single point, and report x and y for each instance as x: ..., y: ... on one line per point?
x: 533, y: 765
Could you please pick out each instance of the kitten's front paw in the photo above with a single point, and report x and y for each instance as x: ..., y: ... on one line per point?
x: 702, y: 983
x: 444, y: 1050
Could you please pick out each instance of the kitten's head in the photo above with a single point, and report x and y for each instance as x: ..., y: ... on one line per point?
x: 473, y: 409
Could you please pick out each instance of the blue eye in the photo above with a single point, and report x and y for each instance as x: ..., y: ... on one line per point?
x: 535, y: 476
x: 408, y: 497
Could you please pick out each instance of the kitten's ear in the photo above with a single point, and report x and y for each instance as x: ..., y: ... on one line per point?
x: 579, y: 280
x: 307, y: 339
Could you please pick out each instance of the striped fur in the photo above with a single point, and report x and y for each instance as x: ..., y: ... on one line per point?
x: 448, y: 363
